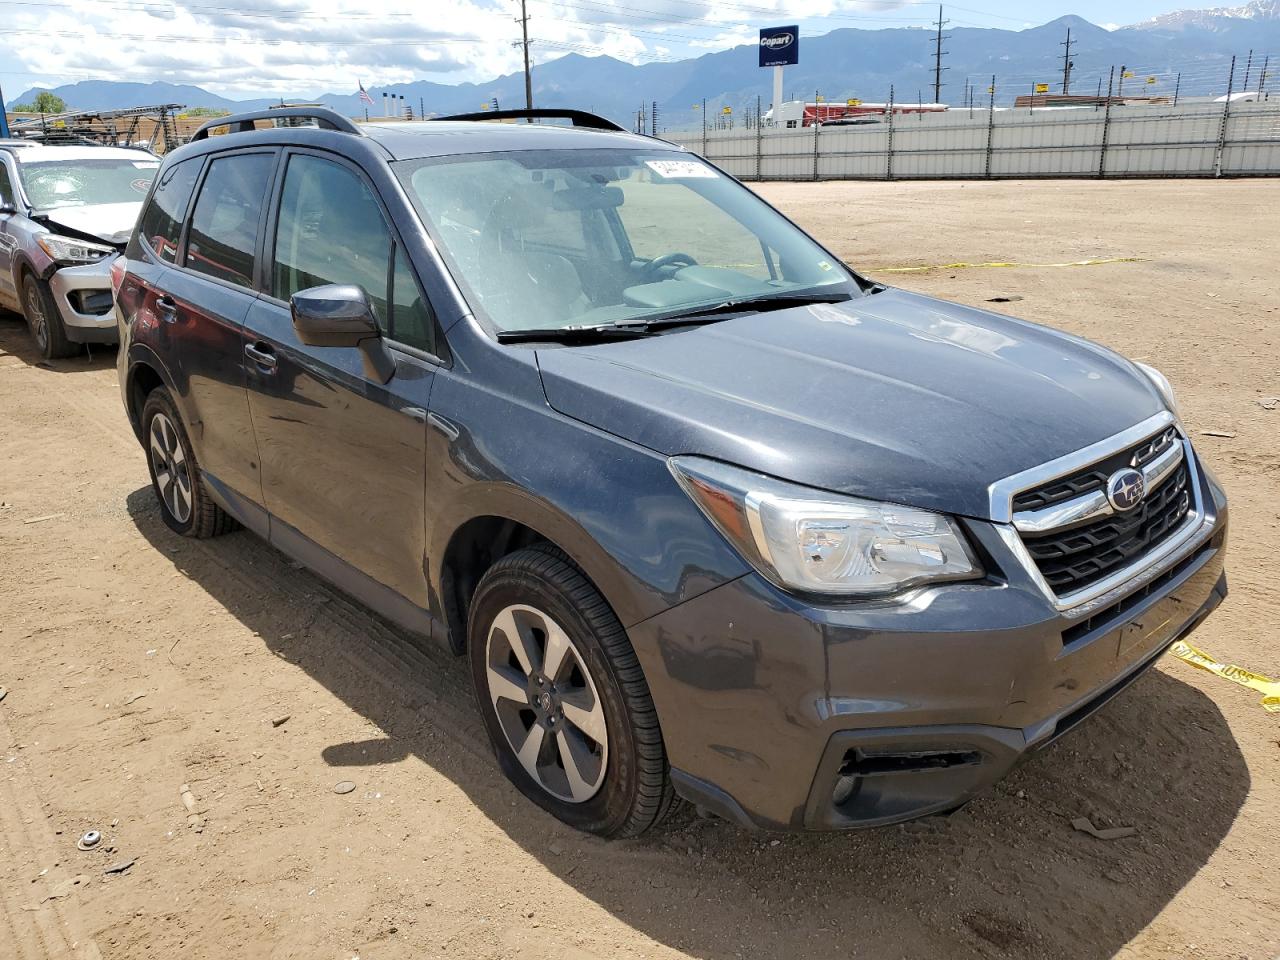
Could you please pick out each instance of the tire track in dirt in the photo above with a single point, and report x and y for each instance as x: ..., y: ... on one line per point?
x: 40, y: 918
x: 323, y: 622
x: 419, y: 674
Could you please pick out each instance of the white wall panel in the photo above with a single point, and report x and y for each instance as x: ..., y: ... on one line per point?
x: 1160, y: 140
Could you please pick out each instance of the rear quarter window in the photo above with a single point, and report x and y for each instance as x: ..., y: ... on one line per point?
x: 161, y: 222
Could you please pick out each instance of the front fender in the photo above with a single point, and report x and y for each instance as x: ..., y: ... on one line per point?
x: 611, y: 505
x: 26, y: 262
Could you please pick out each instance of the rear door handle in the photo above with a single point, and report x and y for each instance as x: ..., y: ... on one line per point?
x: 261, y: 355
x: 167, y: 309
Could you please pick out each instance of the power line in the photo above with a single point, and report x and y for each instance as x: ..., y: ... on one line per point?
x: 763, y: 11
x: 238, y: 39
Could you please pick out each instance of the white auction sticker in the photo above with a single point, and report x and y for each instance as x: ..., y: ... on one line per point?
x: 680, y: 169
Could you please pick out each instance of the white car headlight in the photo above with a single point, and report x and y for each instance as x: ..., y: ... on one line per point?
x: 816, y: 542
x: 69, y: 250
x: 1162, y: 385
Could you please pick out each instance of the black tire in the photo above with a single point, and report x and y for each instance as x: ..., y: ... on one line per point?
x: 44, y: 320
x: 202, y: 518
x: 636, y: 790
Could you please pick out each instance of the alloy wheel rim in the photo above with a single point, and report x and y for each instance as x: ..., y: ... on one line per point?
x: 547, y: 703
x: 169, y: 462
x: 39, y: 322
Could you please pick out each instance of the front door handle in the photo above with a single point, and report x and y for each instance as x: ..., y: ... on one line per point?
x: 167, y: 309
x: 451, y: 432
x: 261, y: 355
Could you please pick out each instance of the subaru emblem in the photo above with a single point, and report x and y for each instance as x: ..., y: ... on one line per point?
x: 1125, y: 489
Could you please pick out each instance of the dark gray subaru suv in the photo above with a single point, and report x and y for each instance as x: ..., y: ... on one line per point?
x: 710, y: 515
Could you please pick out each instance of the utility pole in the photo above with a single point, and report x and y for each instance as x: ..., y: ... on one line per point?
x: 1106, y: 122
x: 528, y: 76
x: 991, y: 123
x: 938, y: 54
x: 1067, y: 63
x: 1226, y: 114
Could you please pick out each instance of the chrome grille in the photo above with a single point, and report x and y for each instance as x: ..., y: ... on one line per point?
x: 1076, y: 557
x: 1074, y: 536
x: 1094, y: 477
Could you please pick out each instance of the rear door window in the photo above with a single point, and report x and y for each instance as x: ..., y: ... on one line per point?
x: 162, y: 221
x: 224, y: 226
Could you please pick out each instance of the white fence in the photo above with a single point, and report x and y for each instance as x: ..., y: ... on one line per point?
x: 1188, y: 140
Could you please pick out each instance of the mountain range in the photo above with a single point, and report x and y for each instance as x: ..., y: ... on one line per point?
x: 1196, y: 45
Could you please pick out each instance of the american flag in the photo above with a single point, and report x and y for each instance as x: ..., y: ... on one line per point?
x: 364, y: 94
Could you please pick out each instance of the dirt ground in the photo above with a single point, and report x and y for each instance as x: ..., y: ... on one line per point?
x: 136, y: 662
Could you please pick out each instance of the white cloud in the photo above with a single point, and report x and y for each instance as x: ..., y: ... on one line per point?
x: 301, y: 47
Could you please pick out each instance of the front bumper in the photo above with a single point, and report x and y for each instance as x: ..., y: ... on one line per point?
x: 783, y: 715
x: 83, y: 296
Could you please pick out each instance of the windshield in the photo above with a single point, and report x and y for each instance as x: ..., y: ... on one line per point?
x: 548, y: 239
x: 83, y: 183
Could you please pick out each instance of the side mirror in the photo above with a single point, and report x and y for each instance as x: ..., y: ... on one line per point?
x: 339, y: 315
x: 6, y: 206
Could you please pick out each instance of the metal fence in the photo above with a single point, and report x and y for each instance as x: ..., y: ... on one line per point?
x: 1232, y: 139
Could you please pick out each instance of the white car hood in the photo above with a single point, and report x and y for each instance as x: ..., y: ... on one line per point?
x: 109, y: 222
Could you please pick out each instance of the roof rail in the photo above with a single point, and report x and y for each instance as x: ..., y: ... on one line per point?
x: 243, y: 122
x: 580, y: 118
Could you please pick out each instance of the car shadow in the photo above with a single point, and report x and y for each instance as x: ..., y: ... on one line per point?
x: 15, y: 341
x: 1006, y: 876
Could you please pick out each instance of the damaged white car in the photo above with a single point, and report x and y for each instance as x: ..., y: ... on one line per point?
x: 66, y: 213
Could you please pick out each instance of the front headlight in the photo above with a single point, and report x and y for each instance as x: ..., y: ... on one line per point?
x: 1162, y: 385
x: 817, y: 542
x: 69, y: 250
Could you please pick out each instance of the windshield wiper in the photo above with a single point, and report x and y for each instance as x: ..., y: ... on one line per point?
x: 630, y: 330
x: 722, y: 311
x: 593, y: 333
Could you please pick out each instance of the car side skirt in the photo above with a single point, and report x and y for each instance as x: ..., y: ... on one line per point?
x: 289, y: 541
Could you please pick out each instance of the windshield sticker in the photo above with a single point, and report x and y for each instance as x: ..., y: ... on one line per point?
x: 146, y: 164
x: 680, y: 169
x: 142, y: 186
x: 825, y: 265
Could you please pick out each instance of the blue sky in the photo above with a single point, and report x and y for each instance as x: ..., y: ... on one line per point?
x: 241, y: 48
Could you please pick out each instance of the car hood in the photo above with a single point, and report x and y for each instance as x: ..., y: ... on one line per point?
x: 895, y: 396
x: 109, y: 222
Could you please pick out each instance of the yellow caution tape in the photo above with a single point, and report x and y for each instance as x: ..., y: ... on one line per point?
x: 1270, y: 689
x: 964, y: 266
